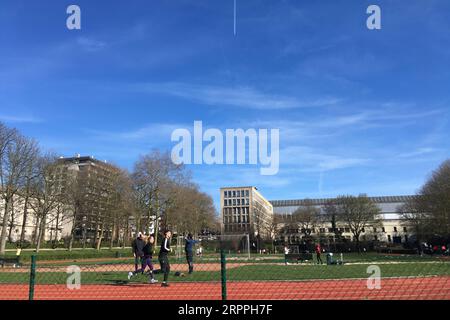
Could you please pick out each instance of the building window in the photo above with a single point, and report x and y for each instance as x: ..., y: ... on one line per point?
x: 363, y: 230
x: 395, y: 229
x: 238, y: 193
x: 234, y: 194
x: 383, y: 229
x: 375, y: 238
x: 246, y: 193
x: 405, y: 229
x: 374, y: 230
x: 225, y: 194
x: 234, y: 202
x: 389, y: 238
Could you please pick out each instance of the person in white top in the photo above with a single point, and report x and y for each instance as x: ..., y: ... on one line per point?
x: 286, y: 252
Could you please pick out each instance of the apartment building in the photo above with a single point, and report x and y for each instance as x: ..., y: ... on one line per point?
x: 94, y: 181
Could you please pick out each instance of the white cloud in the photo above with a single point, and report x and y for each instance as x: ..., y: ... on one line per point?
x: 239, y: 96
x: 20, y: 119
x: 307, y: 159
x: 152, y: 132
x: 417, y: 152
x: 90, y: 44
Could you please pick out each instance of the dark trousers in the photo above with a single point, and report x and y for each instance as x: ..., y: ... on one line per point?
x: 190, y: 261
x: 136, y: 263
x: 145, y: 261
x: 319, y: 259
x: 165, y: 265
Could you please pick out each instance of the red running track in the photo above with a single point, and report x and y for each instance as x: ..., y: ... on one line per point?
x: 430, y: 288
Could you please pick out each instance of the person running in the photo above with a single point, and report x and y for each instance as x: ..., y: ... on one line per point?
x: 188, y: 248
x: 319, y: 253
x: 137, y: 246
x: 146, y: 260
x: 163, y: 257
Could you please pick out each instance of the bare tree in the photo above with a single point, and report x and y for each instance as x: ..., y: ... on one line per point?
x: 357, y: 213
x: 434, y: 199
x: 117, y: 205
x: 307, y: 218
x: 154, y: 177
x: 273, y: 229
x: 31, y: 174
x: 16, y: 155
x: 429, y: 212
x: 46, y: 195
x: 414, y: 217
x: 192, y: 210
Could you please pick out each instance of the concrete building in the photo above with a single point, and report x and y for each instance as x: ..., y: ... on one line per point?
x: 95, y: 180
x: 245, y: 210
x: 392, y: 229
x: 58, y: 224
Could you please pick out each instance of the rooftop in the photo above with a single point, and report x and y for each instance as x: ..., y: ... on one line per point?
x: 319, y: 202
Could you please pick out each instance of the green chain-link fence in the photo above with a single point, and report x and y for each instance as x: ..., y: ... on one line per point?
x: 228, y: 274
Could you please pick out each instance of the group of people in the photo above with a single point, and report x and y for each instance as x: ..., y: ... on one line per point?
x: 143, y: 250
x: 317, y: 249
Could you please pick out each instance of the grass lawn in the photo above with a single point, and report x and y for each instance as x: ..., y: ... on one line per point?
x: 70, y: 255
x: 246, y: 273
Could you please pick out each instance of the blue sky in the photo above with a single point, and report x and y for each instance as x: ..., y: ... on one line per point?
x: 359, y: 111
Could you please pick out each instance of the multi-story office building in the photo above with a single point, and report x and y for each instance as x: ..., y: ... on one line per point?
x: 392, y: 229
x: 245, y: 210
x: 94, y: 183
x: 90, y: 182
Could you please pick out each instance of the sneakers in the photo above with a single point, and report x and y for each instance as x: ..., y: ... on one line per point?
x: 153, y: 281
x: 130, y: 274
x: 164, y: 284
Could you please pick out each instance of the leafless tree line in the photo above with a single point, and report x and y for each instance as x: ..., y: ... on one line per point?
x: 157, y: 192
x: 429, y: 211
x: 166, y: 197
x: 355, y: 213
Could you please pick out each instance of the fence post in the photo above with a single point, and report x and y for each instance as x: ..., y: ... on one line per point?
x: 32, y: 277
x: 223, y: 277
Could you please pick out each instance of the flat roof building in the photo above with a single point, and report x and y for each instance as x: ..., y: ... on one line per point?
x: 245, y: 210
x: 392, y: 230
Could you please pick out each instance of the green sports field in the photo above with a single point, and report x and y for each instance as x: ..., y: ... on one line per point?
x: 104, y: 268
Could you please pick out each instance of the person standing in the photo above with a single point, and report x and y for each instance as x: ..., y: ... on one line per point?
x: 189, y: 249
x: 163, y: 257
x: 319, y: 253
x: 286, y: 252
x: 137, y: 246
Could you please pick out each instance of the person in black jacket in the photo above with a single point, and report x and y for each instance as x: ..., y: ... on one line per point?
x: 146, y: 259
x: 137, y: 247
x: 164, y: 257
x: 189, y: 249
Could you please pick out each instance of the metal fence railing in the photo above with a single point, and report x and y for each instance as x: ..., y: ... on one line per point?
x: 227, y: 275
